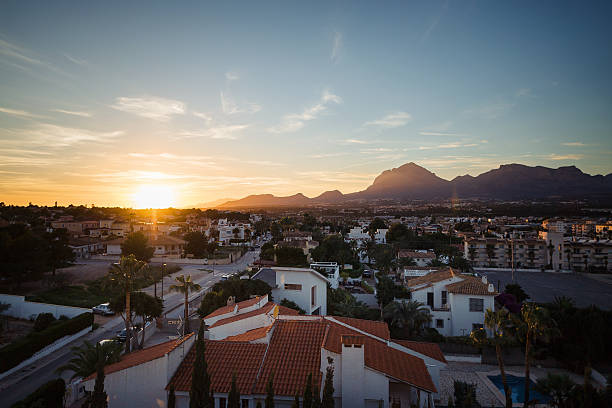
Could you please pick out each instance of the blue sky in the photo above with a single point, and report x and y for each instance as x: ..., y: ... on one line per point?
x: 100, y: 101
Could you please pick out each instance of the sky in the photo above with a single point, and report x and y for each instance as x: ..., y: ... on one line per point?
x: 148, y: 104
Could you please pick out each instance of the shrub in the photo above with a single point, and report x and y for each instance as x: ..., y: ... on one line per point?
x: 50, y: 395
x: 367, y: 287
x: 465, y: 395
x: 292, y: 305
x: 22, y: 349
x: 43, y: 320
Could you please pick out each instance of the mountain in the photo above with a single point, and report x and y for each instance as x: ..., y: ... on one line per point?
x: 413, y: 182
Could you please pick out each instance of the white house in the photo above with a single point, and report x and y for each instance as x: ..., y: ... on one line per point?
x: 331, y: 270
x: 306, y: 287
x: 421, y: 258
x: 381, y: 236
x: 457, y: 302
x: 164, y: 245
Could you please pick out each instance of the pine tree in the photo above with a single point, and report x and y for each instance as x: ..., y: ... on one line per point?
x: 171, y: 398
x: 233, y: 398
x: 328, y: 388
x: 296, y: 401
x: 308, y: 393
x: 270, y: 392
x: 199, y: 396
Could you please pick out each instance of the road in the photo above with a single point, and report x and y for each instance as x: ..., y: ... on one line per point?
x: 20, y: 384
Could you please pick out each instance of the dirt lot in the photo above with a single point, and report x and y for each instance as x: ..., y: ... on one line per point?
x: 83, y: 272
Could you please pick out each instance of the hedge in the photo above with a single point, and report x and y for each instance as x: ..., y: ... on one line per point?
x: 48, y: 395
x: 24, y: 348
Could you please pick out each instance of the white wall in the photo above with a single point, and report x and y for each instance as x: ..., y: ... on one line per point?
x: 462, y: 318
x: 22, y: 309
x: 239, y: 326
x: 301, y: 297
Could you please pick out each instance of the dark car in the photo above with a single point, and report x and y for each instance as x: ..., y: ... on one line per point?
x: 122, y: 334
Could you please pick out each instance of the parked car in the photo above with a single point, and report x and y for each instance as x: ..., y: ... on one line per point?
x: 122, y: 334
x: 103, y: 309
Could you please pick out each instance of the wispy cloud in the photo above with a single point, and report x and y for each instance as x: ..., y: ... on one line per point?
x: 557, y: 157
x: 229, y: 106
x: 336, y: 46
x: 228, y: 132
x: 203, y: 115
x: 296, y: 121
x: 75, y: 60
x: 19, y: 113
x: 573, y: 144
x: 392, y: 120
x: 48, y: 135
x: 523, y: 92
x: 73, y: 113
x: 156, y: 108
x: 440, y: 134
x: 356, y: 141
x: 231, y: 76
x: 13, y: 53
x: 326, y: 155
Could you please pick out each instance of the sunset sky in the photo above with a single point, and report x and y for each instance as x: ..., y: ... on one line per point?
x: 168, y: 103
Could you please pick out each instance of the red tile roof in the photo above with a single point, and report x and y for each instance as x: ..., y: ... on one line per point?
x: 293, y: 353
x: 250, y: 335
x: 143, y: 356
x: 471, y: 285
x: 432, y: 277
x: 264, y: 309
x: 383, y: 358
x: 428, y: 349
x: 224, y: 359
x: 376, y: 328
x: 228, y: 309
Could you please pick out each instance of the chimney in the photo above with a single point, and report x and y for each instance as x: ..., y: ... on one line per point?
x: 484, y: 280
x: 491, y: 288
x: 353, y: 370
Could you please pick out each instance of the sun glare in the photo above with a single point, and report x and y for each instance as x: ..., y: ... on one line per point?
x: 154, y: 196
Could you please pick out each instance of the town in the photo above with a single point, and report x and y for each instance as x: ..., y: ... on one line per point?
x: 380, y: 306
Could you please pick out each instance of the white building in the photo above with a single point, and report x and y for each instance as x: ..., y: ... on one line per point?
x: 370, y: 368
x: 306, y: 287
x: 421, y: 258
x: 457, y: 302
x: 331, y: 270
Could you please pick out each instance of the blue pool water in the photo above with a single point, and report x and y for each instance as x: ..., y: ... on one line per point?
x: 517, y: 385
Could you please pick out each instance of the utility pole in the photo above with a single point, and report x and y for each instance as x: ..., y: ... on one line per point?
x: 163, y: 267
x: 512, y: 246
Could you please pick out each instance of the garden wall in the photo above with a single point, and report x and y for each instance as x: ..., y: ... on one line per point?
x: 23, y: 309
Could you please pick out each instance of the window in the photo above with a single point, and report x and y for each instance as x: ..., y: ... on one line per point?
x: 477, y: 326
x: 439, y: 323
x: 222, y: 403
x: 293, y: 286
x: 430, y: 299
x: 476, y: 305
x: 313, y: 296
x: 444, y: 297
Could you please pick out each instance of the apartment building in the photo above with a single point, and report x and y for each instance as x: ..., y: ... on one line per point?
x: 502, y: 252
x: 586, y: 255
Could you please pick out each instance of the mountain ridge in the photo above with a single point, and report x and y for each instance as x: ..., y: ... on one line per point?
x: 413, y: 182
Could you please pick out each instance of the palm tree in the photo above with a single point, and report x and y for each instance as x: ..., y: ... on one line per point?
x: 551, y: 250
x: 91, y: 359
x: 184, y: 285
x: 408, y: 315
x: 123, y: 274
x: 535, y: 322
x: 490, y: 253
x: 499, y: 323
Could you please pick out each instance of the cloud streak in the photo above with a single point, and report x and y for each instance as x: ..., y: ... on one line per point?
x: 296, y: 121
x: 73, y: 113
x: 336, y: 46
x: 156, y: 108
x: 392, y: 120
x: 19, y: 113
x: 229, y: 106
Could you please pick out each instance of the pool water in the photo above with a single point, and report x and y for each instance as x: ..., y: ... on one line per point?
x: 517, y: 385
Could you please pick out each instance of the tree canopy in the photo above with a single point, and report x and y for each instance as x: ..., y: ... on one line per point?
x: 137, y: 244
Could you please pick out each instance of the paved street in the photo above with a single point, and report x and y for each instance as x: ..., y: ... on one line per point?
x: 20, y: 384
x: 544, y: 286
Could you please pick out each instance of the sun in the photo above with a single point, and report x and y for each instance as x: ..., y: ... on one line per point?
x: 154, y: 196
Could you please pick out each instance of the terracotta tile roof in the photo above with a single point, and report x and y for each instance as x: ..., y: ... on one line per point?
x: 428, y: 349
x: 376, y: 328
x: 241, y: 305
x: 287, y: 311
x: 432, y: 277
x: 143, y: 356
x: 250, y: 335
x: 264, y: 309
x: 293, y: 353
x: 224, y: 359
x: 402, y: 253
x: 383, y: 358
x: 471, y: 285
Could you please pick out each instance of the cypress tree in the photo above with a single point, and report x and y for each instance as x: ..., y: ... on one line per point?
x: 171, y: 398
x: 308, y: 393
x: 296, y: 401
x: 233, y: 398
x: 316, y: 398
x: 199, y: 396
x: 270, y: 392
x: 328, y: 388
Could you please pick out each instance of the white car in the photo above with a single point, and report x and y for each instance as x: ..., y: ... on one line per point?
x: 103, y: 309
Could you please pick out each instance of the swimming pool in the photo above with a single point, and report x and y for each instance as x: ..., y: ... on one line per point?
x: 517, y: 385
